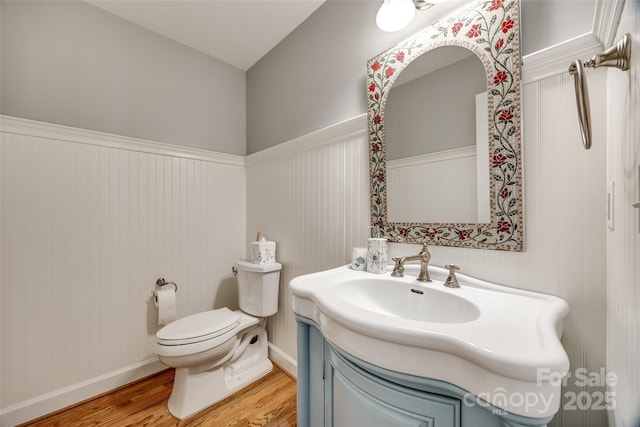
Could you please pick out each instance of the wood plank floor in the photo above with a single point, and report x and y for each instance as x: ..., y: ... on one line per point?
x: 271, y: 401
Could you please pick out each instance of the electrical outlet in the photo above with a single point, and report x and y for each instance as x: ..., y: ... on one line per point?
x: 610, y: 195
x: 637, y: 203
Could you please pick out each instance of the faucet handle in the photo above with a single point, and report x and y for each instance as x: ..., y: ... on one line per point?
x: 425, y: 251
x: 452, y: 280
x: 398, y: 268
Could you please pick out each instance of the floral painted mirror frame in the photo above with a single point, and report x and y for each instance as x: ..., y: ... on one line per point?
x: 490, y: 29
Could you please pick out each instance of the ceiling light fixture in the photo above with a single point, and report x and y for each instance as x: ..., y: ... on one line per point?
x: 395, y: 15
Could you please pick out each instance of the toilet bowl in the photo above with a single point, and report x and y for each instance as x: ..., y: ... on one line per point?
x: 219, y: 352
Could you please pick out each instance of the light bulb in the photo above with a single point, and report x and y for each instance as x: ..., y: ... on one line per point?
x: 394, y: 15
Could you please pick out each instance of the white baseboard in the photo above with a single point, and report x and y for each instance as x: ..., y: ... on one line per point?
x: 283, y: 360
x: 59, y: 399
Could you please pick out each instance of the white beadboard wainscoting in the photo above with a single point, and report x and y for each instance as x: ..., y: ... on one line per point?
x: 311, y: 196
x: 623, y: 241
x: 89, y: 221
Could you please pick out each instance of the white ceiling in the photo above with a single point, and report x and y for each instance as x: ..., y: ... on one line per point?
x: 238, y: 32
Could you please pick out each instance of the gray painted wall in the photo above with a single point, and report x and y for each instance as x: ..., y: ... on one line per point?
x: 443, y: 120
x: 549, y: 22
x: 316, y: 76
x: 70, y: 63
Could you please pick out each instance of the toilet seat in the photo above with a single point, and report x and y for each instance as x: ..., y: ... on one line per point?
x: 199, y: 327
x: 206, y: 339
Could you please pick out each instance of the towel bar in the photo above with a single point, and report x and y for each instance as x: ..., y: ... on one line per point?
x: 617, y: 56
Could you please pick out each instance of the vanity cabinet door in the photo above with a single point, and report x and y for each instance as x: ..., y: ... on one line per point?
x: 354, y: 407
x: 361, y: 399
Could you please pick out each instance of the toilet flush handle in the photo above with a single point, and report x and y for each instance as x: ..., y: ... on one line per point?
x: 234, y: 270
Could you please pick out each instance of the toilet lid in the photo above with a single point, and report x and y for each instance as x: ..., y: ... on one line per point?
x: 198, y: 327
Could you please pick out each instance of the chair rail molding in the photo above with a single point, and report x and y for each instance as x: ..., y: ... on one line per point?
x: 556, y: 59
x: 350, y: 127
x: 20, y: 126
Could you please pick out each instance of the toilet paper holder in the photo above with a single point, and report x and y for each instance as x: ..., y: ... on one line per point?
x: 161, y: 283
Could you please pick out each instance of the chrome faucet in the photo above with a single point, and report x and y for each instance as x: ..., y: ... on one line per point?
x: 424, y: 256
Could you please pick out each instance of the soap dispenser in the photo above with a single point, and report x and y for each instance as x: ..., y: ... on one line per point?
x: 376, y: 252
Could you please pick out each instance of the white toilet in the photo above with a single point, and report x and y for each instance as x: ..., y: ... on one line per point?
x: 218, y: 352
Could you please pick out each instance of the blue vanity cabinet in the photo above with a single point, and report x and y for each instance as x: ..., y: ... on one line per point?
x: 311, y: 375
x: 335, y: 389
x: 358, y: 398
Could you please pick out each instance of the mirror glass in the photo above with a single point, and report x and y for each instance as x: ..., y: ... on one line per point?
x: 423, y: 147
x: 445, y: 155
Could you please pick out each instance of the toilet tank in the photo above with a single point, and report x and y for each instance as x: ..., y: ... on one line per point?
x: 258, y: 287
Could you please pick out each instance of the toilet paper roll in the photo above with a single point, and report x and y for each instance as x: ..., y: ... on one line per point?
x: 166, y: 304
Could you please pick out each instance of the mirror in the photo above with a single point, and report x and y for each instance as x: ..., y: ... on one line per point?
x: 444, y: 132
x: 423, y: 147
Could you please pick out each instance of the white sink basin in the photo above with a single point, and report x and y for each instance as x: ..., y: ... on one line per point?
x: 499, y: 343
x: 403, y: 301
